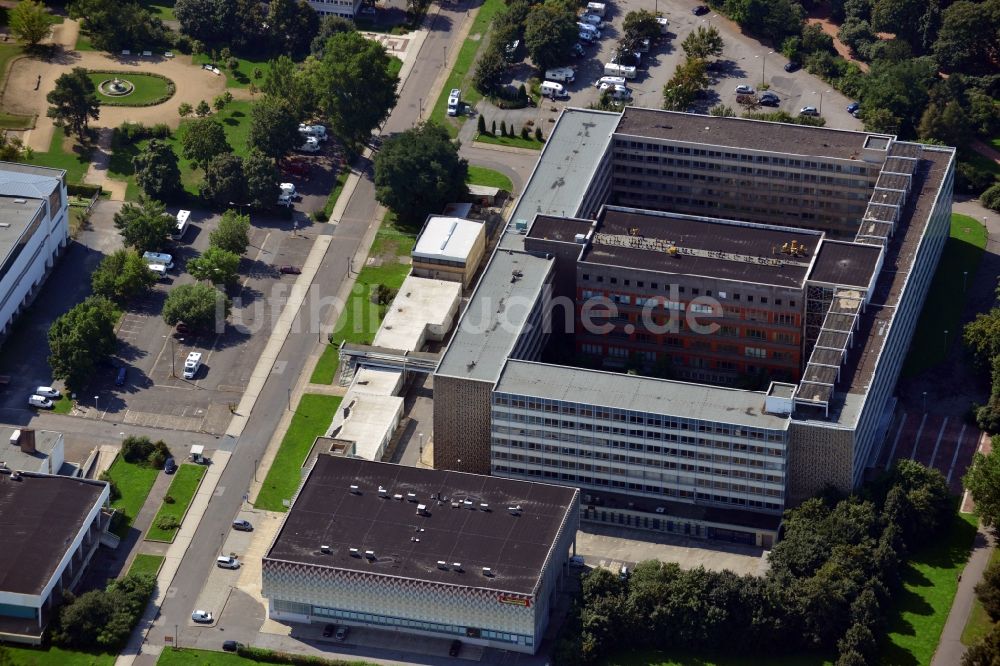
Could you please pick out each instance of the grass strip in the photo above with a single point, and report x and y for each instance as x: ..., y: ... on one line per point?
x: 134, y: 483
x: 489, y: 177
x: 187, y: 478
x: 979, y: 623
x: 146, y: 564
x: 511, y: 141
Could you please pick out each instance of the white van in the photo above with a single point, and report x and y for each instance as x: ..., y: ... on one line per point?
x: 627, y: 71
x: 183, y: 217
x: 159, y: 269
x: 597, y: 8
x: 564, y: 74
x: 553, y: 89
x: 191, y: 365
x: 454, y: 101
x: 318, y: 131
x: 158, y: 258
x: 663, y: 23
x: 311, y: 145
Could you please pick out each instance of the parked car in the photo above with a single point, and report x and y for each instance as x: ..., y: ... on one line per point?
x: 285, y: 201
x: 593, y: 19
x: 808, y: 111
x: 182, y: 328
x: 853, y: 108
x: 578, y: 50
x: 170, y: 466
x: 744, y: 89
x: 341, y: 633
x: 311, y: 145
x: 48, y: 392
x: 586, y: 38
x: 610, y: 81
x: 290, y: 270
x: 700, y: 10
x: 791, y: 66
x: 231, y: 646
x: 121, y: 376
x: 39, y: 402
x: 456, y: 647
x: 768, y: 98
x: 241, y: 525
x: 202, y: 616
x: 227, y: 562
x: 454, y: 102
x: 328, y: 630
x: 510, y: 49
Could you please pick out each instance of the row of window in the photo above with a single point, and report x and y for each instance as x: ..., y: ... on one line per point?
x: 742, y: 210
x: 450, y: 629
x: 794, y: 176
x: 670, y: 305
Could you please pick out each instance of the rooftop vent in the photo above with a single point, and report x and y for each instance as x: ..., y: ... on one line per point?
x: 370, y: 554
x: 355, y: 552
x: 397, y: 496
x: 442, y: 565
x: 325, y: 550
x: 20, y: 201
x: 421, y: 509
x: 469, y: 504
x: 488, y: 572
x: 355, y: 490
x: 455, y: 505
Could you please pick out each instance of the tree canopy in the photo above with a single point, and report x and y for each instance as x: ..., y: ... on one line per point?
x: 144, y: 225
x: 200, y: 306
x: 982, y: 480
x: 157, y: 171
x: 79, y: 338
x: 418, y: 171
x: 262, y: 178
x: 703, y: 43
x: 74, y: 101
x: 550, y: 33
x: 232, y: 234
x: 122, y: 275
x: 224, y: 182
x: 103, y: 619
x: 274, y: 127
x: 215, y: 265
x: 689, y: 79
x: 113, y: 25
x: 202, y: 140
x: 30, y: 21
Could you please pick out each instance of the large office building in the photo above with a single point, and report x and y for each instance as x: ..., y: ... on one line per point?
x: 34, y: 229
x: 756, y: 286
x: 420, y: 551
x: 51, y: 526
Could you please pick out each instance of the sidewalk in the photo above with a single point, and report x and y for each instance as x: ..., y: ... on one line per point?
x: 950, y: 648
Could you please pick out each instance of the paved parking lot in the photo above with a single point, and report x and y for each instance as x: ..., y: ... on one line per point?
x: 742, y: 62
x: 946, y: 443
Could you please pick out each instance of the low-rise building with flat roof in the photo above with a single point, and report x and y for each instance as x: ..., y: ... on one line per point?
x: 29, y: 450
x: 422, y: 310
x: 449, y: 248
x: 421, y: 551
x: 51, y: 526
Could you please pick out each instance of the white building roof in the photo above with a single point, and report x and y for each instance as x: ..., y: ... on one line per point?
x: 448, y: 238
x: 370, y: 422
x: 420, y: 303
x: 377, y: 381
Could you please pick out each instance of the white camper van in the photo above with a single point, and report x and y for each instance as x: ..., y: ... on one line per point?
x: 561, y: 74
x: 553, y: 89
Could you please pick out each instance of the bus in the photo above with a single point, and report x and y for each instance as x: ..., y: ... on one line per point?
x: 182, y: 224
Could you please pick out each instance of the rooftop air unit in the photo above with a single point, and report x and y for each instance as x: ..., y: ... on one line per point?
x: 442, y: 565
x: 397, y: 496
x: 370, y: 554
x: 469, y: 504
x: 515, y: 510
x: 457, y: 566
x: 488, y: 572
x: 411, y: 497
x: 483, y: 506
x: 355, y: 552
x: 325, y: 550
x: 355, y: 490
x: 421, y: 509
x: 382, y: 492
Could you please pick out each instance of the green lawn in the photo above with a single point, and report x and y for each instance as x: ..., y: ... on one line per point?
x: 235, y: 119
x: 148, y: 89
x: 513, y: 141
x: 461, y: 74
x: 63, y: 405
x: 25, y: 656
x: 979, y: 623
x: 146, y: 564
x: 395, y: 64
x: 930, y: 580
x: 162, y: 9
x: 83, y: 43
x: 134, y: 483
x: 74, y: 162
x: 489, y: 177
x: 680, y: 658
x: 184, y: 657
x: 187, y: 478
x: 946, y: 300
x: 242, y: 76
x: 326, y: 366
x: 312, y: 417
x: 338, y: 187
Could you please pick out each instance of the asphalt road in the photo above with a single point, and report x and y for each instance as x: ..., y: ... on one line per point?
x: 347, y: 236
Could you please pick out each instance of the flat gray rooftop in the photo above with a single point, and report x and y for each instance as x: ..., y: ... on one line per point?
x: 45, y: 441
x: 27, y: 180
x: 640, y: 394
x: 742, y: 133
x: 16, y: 215
x: 571, y: 156
x: 495, y: 315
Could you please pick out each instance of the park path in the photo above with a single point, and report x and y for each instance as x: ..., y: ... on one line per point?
x: 97, y: 172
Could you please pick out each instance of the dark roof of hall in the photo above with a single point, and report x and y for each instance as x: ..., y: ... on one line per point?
x: 738, y: 238
x: 771, y: 137
x: 327, y: 513
x: 845, y: 264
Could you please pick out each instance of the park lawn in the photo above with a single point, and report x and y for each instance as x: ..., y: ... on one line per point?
x: 461, y: 74
x: 148, y: 89
x: 930, y: 579
x: 75, y: 160
x: 187, y: 478
x: 186, y: 657
x: 681, y: 658
x: 242, y: 76
x: 326, y: 366
x: 489, y: 177
x: 512, y: 141
x: 53, y: 656
x: 979, y: 623
x: 161, y: 9
x: 943, y: 308
x: 146, y: 564
x: 312, y: 417
x: 63, y: 405
x: 395, y: 64
x: 134, y: 483
x: 83, y: 43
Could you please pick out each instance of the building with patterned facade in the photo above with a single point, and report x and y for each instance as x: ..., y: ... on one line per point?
x: 427, y: 552
x: 710, y: 205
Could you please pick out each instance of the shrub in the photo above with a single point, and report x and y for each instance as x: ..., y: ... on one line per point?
x: 991, y: 197
x: 503, y: 128
x: 481, y: 124
x: 988, y: 591
x: 168, y: 523
x: 145, y: 453
x: 538, y: 134
x: 169, y: 499
x: 493, y: 128
x: 524, y: 132
x: 182, y: 43
x: 320, y: 216
x: 971, y: 179
x: 115, y: 493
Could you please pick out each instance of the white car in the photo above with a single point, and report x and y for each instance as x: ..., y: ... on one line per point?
x: 285, y: 200
x: 744, y: 89
x: 48, y: 392
x: 227, y: 562
x: 311, y: 145
x: 289, y: 189
x: 40, y: 402
x: 808, y: 111
x: 202, y: 616
x: 454, y: 101
x: 606, y: 81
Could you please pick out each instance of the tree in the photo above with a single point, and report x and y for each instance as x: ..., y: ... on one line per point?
x: 988, y: 591
x: 274, y: 128
x: 81, y: 337
x: 901, y: 88
x: 293, y: 25
x: 224, y: 180
x: 550, y: 34
x: 185, y: 110
x: 491, y: 69
x: 103, y: 619
x: 986, y: 652
x: 113, y: 25
x: 204, y: 20
x: 418, y: 171
x: 285, y: 80
x: 949, y: 125
x: 355, y: 89
x: 144, y: 225
x: 982, y: 337
x: 772, y: 19
x: 329, y: 26
x: 703, y: 43
x: 30, y: 21
x: 215, y: 265
x: 156, y: 170
x: 202, y: 140
x: 232, y: 234
x: 900, y: 17
x: 121, y: 276
x: 982, y: 480
x: 640, y: 25
x: 969, y: 38
x: 74, y: 101
x: 203, y: 109
x: 262, y: 178
x: 689, y: 79
x: 991, y: 197
x: 200, y: 306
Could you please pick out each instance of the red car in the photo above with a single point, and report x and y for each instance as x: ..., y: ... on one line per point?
x: 290, y: 270
x: 182, y: 328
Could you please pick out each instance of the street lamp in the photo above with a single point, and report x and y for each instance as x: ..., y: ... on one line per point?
x: 925, y: 401
x: 820, y: 99
x: 97, y: 405
x: 946, y: 341
x: 289, y: 399
x: 763, y: 60
x: 965, y: 278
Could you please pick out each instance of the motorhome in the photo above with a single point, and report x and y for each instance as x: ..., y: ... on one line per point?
x: 181, y: 226
x: 561, y: 74
x: 158, y: 258
x: 553, y: 89
x: 612, y: 69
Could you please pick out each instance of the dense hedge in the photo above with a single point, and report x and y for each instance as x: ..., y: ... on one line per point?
x: 264, y: 656
x: 103, y: 619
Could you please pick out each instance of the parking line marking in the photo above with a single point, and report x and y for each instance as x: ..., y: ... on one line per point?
x: 895, y: 441
x: 958, y: 447
x: 916, y: 441
x: 938, y: 442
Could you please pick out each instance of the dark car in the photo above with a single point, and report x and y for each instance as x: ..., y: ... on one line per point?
x: 328, y: 630
x: 231, y: 646
x: 791, y: 66
x: 289, y: 270
x: 853, y: 107
x: 182, y: 328
x: 170, y: 466
x: 456, y: 647
x: 121, y: 376
x: 578, y: 51
x: 769, y: 99
x: 241, y: 525
x: 700, y: 10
